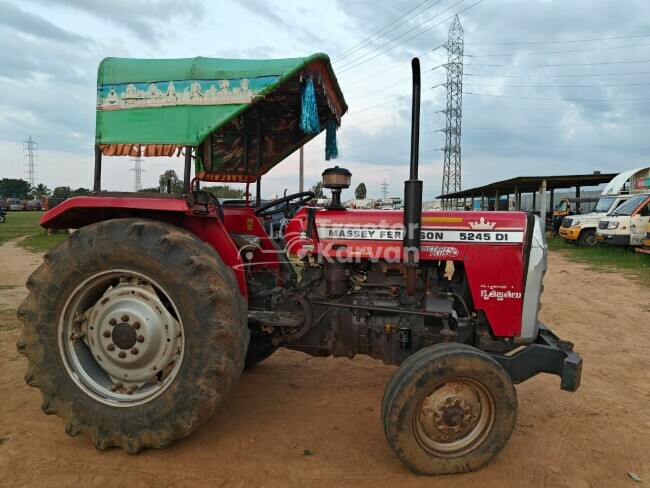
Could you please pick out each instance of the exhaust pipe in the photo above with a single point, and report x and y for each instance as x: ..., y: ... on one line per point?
x: 413, y: 191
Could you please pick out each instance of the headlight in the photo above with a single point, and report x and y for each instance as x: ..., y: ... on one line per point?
x: 576, y: 222
x: 612, y: 225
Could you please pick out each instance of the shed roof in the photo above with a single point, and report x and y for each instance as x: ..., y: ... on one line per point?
x: 529, y: 184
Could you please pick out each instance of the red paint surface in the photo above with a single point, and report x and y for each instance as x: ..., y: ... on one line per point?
x: 494, y: 269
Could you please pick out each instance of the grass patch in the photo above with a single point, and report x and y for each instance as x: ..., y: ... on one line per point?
x: 605, y: 258
x: 7, y: 287
x: 41, y: 242
x: 307, y: 452
x: 3, y: 439
x: 19, y: 224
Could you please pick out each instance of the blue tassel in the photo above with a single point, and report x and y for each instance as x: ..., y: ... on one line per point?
x: 331, y: 150
x: 309, y: 122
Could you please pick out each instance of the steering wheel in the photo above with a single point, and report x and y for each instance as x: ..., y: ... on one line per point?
x: 303, y: 197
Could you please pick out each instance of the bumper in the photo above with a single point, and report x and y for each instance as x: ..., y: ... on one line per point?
x: 570, y: 234
x: 614, y: 239
x: 548, y: 354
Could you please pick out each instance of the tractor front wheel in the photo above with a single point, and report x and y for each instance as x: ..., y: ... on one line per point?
x: 449, y: 408
x: 134, y: 331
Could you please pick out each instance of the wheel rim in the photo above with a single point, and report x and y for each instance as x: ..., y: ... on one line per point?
x: 591, y: 240
x: 121, y: 338
x: 455, y: 417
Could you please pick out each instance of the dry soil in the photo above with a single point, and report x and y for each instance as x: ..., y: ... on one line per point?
x: 301, y: 421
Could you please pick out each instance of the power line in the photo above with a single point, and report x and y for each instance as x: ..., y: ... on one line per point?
x: 564, y: 99
x: 361, y: 44
x: 538, y: 12
x: 556, y: 42
x: 606, y: 48
x: 558, y: 76
x: 557, y: 86
x: 562, y: 64
x: 400, y: 36
x: 412, y: 37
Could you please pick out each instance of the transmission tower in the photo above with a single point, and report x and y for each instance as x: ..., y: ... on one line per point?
x: 30, y: 149
x: 452, y: 169
x: 137, y: 169
x: 384, y: 190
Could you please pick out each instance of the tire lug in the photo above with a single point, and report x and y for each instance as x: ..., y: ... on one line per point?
x: 140, y: 338
x: 134, y: 351
x: 136, y: 324
x: 125, y: 318
x: 107, y: 333
x: 122, y: 355
x: 111, y: 347
x: 115, y: 386
x: 112, y: 322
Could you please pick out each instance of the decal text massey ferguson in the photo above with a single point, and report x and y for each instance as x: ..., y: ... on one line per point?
x: 427, y: 234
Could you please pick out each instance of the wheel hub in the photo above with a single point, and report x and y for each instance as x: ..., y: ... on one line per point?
x: 124, y: 336
x: 131, y: 335
x: 453, y: 417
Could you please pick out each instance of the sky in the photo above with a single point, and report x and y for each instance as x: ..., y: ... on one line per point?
x: 549, y: 86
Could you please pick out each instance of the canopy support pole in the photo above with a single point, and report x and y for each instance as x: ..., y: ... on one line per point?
x: 97, y: 183
x: 188, y: 170
x: 258, y: 189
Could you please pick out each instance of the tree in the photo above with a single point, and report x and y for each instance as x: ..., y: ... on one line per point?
x: 360, y: 192
x: 225, y: 192
x: 13, y: 188
x: 318, y: 189
x: 40, y: 191
x: 170, y: 174
x: 62, y: 192
x: 80, y: 192
x: 153, y: 189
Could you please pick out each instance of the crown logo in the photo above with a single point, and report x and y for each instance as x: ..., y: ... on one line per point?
x: 482, y: 224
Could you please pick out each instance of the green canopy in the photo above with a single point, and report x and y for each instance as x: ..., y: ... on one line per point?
x: 218, y: 106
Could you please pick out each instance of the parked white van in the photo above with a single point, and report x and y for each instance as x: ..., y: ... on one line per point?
x: 626, y: 225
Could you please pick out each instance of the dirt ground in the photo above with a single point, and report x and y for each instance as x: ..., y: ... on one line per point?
x: 301, y: 421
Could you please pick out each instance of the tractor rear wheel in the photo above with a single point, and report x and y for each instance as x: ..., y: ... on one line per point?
x: 449, y: 408
x: 134, y: 331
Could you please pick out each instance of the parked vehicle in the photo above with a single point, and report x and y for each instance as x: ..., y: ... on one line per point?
x: 646, y: 242
x: 626, y: 225
x: 582, y: 228
x: 566, y: 206
x: 3, y: 216
x: 139, y: 325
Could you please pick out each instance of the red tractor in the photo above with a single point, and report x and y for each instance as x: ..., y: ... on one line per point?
x: 139, y: 325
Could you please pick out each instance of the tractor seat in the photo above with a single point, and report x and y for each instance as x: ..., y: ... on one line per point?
x: 246, y: 242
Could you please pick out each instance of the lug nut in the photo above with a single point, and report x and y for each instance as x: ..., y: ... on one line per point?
x: 136, y: 324
x: 134, y: 351
x: 125, y: 318
x: 112, y: 322
x: 122, y: 355
x: 107, y: 333
x: 111, y: 347
x: 140, y: 338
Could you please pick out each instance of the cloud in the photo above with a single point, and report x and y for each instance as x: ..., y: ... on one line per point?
x: 34, y: 26
x: 148, y: 20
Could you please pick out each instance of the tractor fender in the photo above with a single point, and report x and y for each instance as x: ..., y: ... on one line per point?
x: 78, y: 212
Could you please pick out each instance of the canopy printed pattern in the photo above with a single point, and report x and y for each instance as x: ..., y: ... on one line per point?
x: 241, y: 116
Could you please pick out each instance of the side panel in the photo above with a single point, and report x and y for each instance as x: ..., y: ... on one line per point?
x: 491, y: 245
